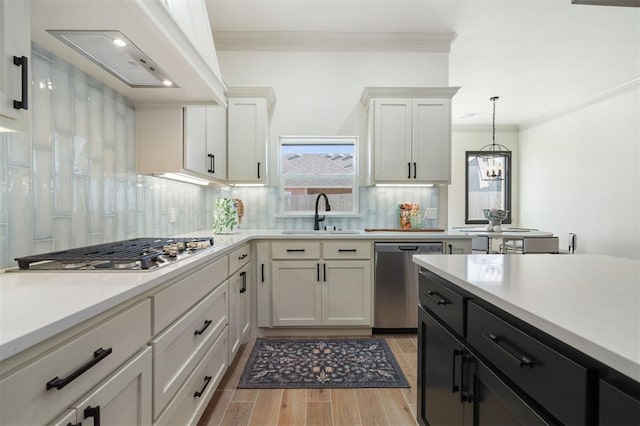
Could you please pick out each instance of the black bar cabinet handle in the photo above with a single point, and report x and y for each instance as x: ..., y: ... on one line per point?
x: 295, y: 250
x: 454, y: 387
x: 197, y: 394
x: 207, y: 323
x: 347, y: 250
x: 262, y: 272
x: 465, y: 395
x: 258, y: 170
x: 408, y: 248
x: 24, y: 62
x: 450, y: 248
x: 209, y: 169
x: 93, y: 412
x: 437, y: 298
x: 243, y: 274
x: 98, y: 356
x: 324, y: 272
x: 318, y: 272
x: 523, y: 361
x: 213, y: 163
x: 415, y: 168
x: 409, y: 171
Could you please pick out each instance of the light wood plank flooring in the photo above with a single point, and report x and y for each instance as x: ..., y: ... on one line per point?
x: 311, y: 407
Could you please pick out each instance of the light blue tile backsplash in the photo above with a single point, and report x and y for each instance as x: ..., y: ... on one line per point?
x: 72, y: 182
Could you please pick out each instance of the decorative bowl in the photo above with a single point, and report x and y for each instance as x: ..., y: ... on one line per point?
x: 495, y: 215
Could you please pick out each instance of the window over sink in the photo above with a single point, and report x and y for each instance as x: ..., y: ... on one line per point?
x: 309, y: 166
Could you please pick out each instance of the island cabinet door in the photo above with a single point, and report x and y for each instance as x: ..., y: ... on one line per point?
x: 439, y: 373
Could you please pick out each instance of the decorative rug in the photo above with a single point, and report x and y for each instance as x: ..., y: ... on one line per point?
x: 322, y: 363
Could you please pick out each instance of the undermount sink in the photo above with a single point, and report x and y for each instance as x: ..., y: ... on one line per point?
x: 322, y: 232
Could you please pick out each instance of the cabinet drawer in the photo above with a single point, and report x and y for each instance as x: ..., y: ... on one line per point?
x: 179, y: 348
x: 616, y: 407
x: 239, y: 257
x: 192, y: 398
x: 173, y: 301
x: 446, y: 304
x: 25, y: 398
x: 295, y: 250
x: 346, y: 250
x: 556, y: 382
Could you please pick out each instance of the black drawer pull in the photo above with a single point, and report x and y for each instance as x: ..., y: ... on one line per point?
x: 243, y: 274
x: 98, y: 356
x: 207, y: 323
x: 408, y: 248
x: 197, y: 394
x: 74, y: 424
x: 437, y: 298
x: 93, y: 412
x: 262, y: 272
x: 454, y: 387
x: 465, y: 395
x: 409, y: 172
x: 347, y: 250
x: 258, y: 170
x: 244, y: 256
x: 414, y: 170
x: 324, y: 272
x: 295, y: 250
x: 318, y: 272
x: 524, y: 361
x: 210, y: 169
x: 22, y: 61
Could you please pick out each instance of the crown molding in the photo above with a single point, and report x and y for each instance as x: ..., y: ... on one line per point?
x: 407, y: 92
x: 341, y: 41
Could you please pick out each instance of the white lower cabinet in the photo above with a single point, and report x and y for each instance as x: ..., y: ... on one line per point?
x: 457, y: 247
x: 193, y: 397
x: 123, y: 399
x: 296, y: 293
x: 179, y: 348
x: 239, y: 310
x: 330, y: 286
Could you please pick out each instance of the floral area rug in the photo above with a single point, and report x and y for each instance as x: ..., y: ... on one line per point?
x: 322, y: 363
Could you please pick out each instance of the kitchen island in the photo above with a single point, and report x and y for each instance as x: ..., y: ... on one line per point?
x: 528, y: 329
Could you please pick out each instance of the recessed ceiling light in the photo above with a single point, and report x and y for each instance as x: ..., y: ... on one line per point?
x: 119, y: 42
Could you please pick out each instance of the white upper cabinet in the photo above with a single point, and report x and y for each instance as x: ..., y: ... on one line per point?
x: 205, y: 141
x: 14, y: 74
x: 248, y: 134
x: 409, y: 134
x: 188, y: 141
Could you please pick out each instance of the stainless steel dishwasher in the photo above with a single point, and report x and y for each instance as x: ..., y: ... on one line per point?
x: 396, y: 285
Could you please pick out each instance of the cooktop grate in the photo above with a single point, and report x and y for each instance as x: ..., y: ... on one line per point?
x: 143, y: 250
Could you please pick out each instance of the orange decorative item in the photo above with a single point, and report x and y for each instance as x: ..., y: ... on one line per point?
x: 406, y: 211
x: 239, y: 208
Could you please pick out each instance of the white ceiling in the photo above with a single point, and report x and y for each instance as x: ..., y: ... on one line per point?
x: 540, y: 56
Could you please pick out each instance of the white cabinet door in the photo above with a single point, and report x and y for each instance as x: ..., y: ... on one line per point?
x: 296, y: 293
x: 235, y: 288
x: 431, y: 140
x: 14, y: 41
x: 195, y: 140
x: 216, y: 148
x: 263, y: 285
x: 392, y: 140
x: 245, y: 305
x: 247, y: 140
x: 346, y: 292
x: 123, y: 399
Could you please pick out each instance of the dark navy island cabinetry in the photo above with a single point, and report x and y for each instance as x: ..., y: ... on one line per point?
x: 478, y: 365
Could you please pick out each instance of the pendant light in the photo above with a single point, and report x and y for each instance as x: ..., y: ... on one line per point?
x: 492, y: 157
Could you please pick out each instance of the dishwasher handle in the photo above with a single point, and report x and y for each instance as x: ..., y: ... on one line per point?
x: 408, y: 248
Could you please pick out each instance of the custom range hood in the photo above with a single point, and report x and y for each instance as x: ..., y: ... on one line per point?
x: 135, y: 46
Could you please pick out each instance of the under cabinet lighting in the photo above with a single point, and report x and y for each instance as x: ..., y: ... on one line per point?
x: 423, y: 185
x: 167, y: 83
x: 247, y: 184
x: 183, y: 178
x: 119, y: 42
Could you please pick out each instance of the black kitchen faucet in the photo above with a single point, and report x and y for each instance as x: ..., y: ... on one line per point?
x: 317, y: 219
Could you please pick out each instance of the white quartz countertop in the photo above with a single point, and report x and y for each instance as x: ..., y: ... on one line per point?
x: 590, y: 302
x: 35, y: 306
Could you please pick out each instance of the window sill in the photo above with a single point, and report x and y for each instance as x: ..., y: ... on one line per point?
x: 310, y: 215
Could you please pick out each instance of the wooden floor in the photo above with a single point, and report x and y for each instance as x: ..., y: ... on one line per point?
x: 310, y: 407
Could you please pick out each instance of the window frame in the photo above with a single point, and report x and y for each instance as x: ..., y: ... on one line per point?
x: 318, y: 140
x: 507, y: 182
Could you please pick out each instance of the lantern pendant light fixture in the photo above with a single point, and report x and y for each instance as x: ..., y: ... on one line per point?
x: 492, y: 157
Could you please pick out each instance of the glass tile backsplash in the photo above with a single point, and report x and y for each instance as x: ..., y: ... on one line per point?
x: 72, y: 181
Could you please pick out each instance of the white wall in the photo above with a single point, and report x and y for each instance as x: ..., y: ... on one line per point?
x: 580, y: 173
x: 472, y: 138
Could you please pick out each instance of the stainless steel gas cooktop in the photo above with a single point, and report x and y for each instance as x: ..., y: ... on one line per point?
x: 138, y: 254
